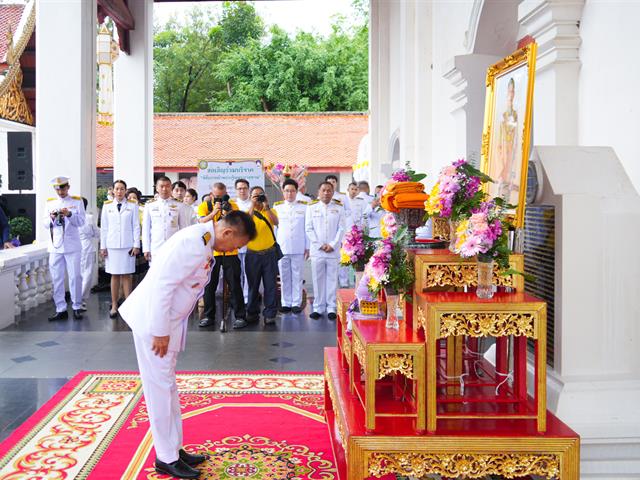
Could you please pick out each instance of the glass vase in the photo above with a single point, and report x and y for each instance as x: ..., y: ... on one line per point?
x: 359, y: 274
x: 485, y: 277
x: 392, y: 305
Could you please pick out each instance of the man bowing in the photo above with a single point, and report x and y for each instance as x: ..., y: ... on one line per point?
x: 158, y: 310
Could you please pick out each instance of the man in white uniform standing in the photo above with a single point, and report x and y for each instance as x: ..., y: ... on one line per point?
x: 161, y: 218
x: 157, y: 312
x: 89, y: 233
x: 65, y: 215
x: 325, y: 226
x: 294, y: 244
x: 243, y: 200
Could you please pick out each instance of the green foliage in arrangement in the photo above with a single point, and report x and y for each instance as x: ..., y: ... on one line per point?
x: 20, y: 227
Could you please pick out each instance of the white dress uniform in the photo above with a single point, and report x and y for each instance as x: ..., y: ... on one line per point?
x: 366, y: 197
x: 119, y: 234
x: 373, y: 220
x: 304, y: 198
x: 65, y: 250
x: 243, y: 205
x: 324, y: 223
x: 89, y: 233
x: 358, y: 207
x: 160, y: 306
x: 161, y: 219
x: 293, y: 241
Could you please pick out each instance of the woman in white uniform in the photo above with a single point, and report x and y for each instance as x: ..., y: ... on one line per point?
x: 119, y: 241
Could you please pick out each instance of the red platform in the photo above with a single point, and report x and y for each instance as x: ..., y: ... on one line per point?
x: 459, y: 447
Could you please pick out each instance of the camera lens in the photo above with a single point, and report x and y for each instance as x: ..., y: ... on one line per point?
x: 262, y: 198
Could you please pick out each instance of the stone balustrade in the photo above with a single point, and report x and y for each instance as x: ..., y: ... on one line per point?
x: 25, y: 281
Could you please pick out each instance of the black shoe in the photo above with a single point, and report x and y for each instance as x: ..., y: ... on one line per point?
x: 252, y: 318
x: 239, y: 323
x: 178, y: 469
x: 192, y: 459
x: 315, y: 315
x: 296, y: 310
x: 77, y: 315
x: 59, y: 316
x: 206, y: 322
x: 285, y: 309
x: 331, y: 316
x: 269, y: 320
x: 113, y: 314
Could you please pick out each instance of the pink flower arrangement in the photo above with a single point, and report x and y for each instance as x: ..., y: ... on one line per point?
x: 479, y: 234
x: 400, y: 176
x: 388, y: 225
x: 353, y: 248
x: 377, y: 269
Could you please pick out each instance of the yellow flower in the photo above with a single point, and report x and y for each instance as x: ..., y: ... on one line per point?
x: 344, y: 258
x: 432, y: 205
x: 373, y: 283
x: 383, y: 230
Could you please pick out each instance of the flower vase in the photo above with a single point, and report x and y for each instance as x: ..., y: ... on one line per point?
x: 359, y: 274
x: 453, y: 226
x: 485, y: 277
x: 392, y: 305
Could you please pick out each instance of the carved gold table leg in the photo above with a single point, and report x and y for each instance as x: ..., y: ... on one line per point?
x: 432, y: 341
x: 541, y: 369
x: 370, y: 375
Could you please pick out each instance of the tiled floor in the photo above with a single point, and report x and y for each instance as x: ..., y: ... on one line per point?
x: 37, y: 356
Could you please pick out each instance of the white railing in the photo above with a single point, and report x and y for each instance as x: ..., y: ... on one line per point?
x: 25, y: 281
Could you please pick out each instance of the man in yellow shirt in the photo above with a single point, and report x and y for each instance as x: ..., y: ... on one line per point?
x: 215, y: 209
x: 261, y: 263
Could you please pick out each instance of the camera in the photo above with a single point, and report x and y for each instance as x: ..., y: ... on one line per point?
x: 261, y: 198
x: 59, y: 217
x: 224, y: 202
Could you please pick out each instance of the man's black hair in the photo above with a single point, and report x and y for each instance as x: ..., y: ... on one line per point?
x: 331, y: 176
x: 241, y: 180
x: 120, y: 181
x: 192, y: 192
x: 86, y: 202
x: 163, y: 178
x: 290, y: 181
x: 241, y: 222
x: 179, y: 184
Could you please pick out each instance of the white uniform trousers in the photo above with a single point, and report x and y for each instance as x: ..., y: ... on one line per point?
x: 324, y: 271
x: 87, y: 261
x: 161, y: 394
x: 291, y: 268
x: 243, y: 277
x: 58, y: 263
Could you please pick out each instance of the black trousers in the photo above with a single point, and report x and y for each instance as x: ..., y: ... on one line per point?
x: 231, y: 268
x: 262, y: 267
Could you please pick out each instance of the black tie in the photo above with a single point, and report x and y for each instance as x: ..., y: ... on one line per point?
x: 119, y: 205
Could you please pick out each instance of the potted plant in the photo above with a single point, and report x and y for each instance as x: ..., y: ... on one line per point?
x: 20, y: 229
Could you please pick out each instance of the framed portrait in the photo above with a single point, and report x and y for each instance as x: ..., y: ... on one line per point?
x: 506, y: 136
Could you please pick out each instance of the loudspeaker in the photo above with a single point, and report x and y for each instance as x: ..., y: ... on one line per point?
x: 21, y: 205
x: 20, y: 164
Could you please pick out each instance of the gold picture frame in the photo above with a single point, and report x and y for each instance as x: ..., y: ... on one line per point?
x: 506, y: 134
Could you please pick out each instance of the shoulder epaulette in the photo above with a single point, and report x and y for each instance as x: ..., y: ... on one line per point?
x: 132, y: 201
x: 337, y: 201
x: 107, y: 202
x: 314, y: 202
x: 303, y: 202
x: 51, y: 199
x: 178, y: 200
x: 279, y: 202
x: 76, y: 197
x: 206, y: 237
x: 150, y: 201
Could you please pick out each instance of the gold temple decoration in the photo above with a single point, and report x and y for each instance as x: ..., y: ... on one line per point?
x: 465, y: 465
x: 487, y: 324
x: 342, y: 431
x: 358, y: 351
x: 440, y: 228
x: 13, y: 104
x: 389, y: 363
x: 346, y: 346
x: 459, y: 275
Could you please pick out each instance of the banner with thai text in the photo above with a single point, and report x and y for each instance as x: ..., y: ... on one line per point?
x: 227, y: 172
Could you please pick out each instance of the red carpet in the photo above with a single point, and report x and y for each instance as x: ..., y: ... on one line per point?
x: 262, y: 425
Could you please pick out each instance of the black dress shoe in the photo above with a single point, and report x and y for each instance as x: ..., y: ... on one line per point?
x: 206, y: 322
x: 192, y: 459
x: 77, y: 315
x: 59, y: 316
x: 113, y: 314
x: 296, y: 310
x: 315, y: 315
x: 178, y: 469
x: 239, y: 323
x: 285, y: 309
x: 331, y: 316
x: 252, y: 318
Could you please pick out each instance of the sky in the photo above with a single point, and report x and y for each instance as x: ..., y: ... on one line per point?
x: 291, y: 15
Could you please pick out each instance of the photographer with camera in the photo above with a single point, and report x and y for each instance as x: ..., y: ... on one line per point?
x: 262, y: 259
x: 214, y: 209
x: 65, y: 215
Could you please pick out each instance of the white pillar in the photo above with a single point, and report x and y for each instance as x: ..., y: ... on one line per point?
x: 379, y: 89
x: 421, y: 101
x: 133, y: 103
x: 467, y: 74
x: 66, y: 100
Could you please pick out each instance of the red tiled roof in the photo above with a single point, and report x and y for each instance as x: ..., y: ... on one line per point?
x: 315, y: 140
x: 10, y: 15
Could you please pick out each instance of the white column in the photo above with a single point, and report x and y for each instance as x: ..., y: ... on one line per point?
x: 467, y: 74
x: 555, y: 26
x: 133, y: 103
x: 379, y: 88
x: 422, y: 86
x: 66, y: 100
